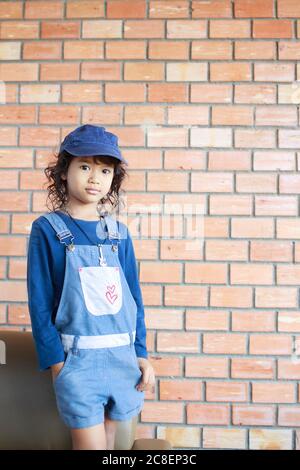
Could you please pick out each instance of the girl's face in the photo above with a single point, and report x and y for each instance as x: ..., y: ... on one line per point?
x: 88, y: 181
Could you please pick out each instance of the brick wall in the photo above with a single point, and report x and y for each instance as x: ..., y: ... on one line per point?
x: 205, y: 100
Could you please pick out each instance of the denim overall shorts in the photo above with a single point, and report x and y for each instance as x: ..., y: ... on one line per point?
x: 96, y: 320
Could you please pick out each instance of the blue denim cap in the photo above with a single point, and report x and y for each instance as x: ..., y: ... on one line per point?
x: 89, y: 140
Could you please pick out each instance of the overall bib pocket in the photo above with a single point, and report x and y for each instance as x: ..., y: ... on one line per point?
x: 102, y: 289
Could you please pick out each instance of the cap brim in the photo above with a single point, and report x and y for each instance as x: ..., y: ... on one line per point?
x: 92, y: 150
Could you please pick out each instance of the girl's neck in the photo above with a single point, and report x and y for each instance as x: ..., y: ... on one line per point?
x: 83, y: 215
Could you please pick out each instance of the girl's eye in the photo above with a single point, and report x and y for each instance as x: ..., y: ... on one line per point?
x: 106, y: 170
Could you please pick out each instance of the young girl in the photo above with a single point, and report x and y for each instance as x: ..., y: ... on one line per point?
x: 85, y: 301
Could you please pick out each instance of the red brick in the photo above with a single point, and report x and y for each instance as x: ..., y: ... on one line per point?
x: 143, y: 71
x: 207, y: 414
x: 274, y: 72
x: 10, y: 10
x: 122, y: 92
x: 162, y: 412
x: 20, y: 72
x: 9, y: 179
x: 18, y: 202
x: 211, y: 50
x: 271, y: 250
x: 168, y: 50
x: 255, y: 50
x: 42, y: 50
x: 230, y: 29
x: 81, y: 92
x: 186, y: 29
x: 253, y: 415
x: 277, y: 160
x: 252, y: 94
x: 276, y: 116
x: 126, y: 9
x: 206, y: 366
x: 253, y: 8
x: 231, y: 204
x: 101, y: 29
x: 276, y: 297
x: 255, y: 138
x: 279, y: 392
x: 211, y: 93
x: 211, y: 8
x: 59, y: 114
x: 178, y: 342
x: 225, y: 391
x: 256, y: 183
x: 168, y: 137
x: 167, y: 92
x: 186, y: 295
x: 18, y: 314
x: 252, y: 368
x: 100, y: 70
x: 288, y: 8
x: 144, y: 29
x: 17, y: 270
x: 86, y: 9
x: 289, y: 368
x: 66, y: 29
x: 165, y: 9
x: 251, y: 274
x: 272, y: 29
x: 59, y: 71
x: 184, y: 159
x: 126, y: 49
x: 14, y: 291
x: 42, y: 9
x: 288, y: 228
x: 14, y: 114
x: 19, y: 30
x: 160, y: 272
x: 275, y: 205
x: 229, y: 160
x: 247, y: 227
x: 229, y: 296
x: 220, y: 438
x: 232, y: 115
x: 83, y: 49
x: 180, y: 390
x: 160, y: 319
x: 230, y: 72
x: 206, y: 320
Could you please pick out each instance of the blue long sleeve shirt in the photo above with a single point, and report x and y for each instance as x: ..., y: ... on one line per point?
x: 45, y: 277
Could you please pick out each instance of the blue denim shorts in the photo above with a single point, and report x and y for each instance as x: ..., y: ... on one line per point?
x: 94, y: 382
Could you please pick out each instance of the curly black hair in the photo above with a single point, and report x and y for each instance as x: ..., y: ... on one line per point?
x: 58, y: 190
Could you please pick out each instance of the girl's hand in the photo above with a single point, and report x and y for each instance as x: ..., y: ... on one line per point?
x: 55, y: 369
x: 147, y: 381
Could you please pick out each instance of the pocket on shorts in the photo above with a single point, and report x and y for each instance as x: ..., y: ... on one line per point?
x: 102, y: 289
x: 64, y: 367
x: 135, y: 363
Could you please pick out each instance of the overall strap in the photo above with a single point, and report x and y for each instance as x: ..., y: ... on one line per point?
x: 63, y: 232
x: 112, y: 229
x: 60, y: 228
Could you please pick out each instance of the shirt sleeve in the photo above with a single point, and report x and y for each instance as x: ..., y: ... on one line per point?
x: 133, y: 283
x: 40, y: 289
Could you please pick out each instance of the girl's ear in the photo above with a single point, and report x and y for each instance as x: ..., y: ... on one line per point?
x: 63, y: 176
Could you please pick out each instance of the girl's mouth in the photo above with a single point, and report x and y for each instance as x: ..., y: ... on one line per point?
x: 92, y: 191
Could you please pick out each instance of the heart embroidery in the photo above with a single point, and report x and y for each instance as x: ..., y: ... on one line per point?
x: 111, y: 297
